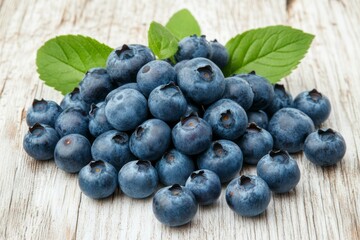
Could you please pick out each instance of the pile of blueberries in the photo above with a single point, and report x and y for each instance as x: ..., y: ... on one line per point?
x: 141, y: 122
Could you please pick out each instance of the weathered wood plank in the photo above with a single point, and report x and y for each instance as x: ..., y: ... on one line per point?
x: 38, y: 201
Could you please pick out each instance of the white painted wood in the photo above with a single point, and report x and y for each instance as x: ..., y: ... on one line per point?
x: 38, y: 201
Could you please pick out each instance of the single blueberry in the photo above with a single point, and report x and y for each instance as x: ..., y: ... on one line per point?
x: 43, y: 112
x: 313, y: 103
x: 133, y: 85
x: 112, y: 147
x: 289, y: 128
x: 126, y: 109
x: 72, y: 153
x: 174, y: 205
x: 166, y: 102
x: 279, y: 170
x: 191, y: 135
x: 224, y: 158
x: 239, y: 90
x: 98, y: 122
x: 193, y: 47
x: 40, y: 141
x: 219, y: 54
x: 72, y: 120
x: 325, y: 147
x: 74, y: 100
x: 205, y: 185
x: 201, y: 81
x: 255, y: 143
x: 124, y: 62
x: 95, y: 85
x: 248, y: 195
x: 281, y: 99
x: 263, y: 90
x: 174, y: 167
x: 150, y: 140
x: 259, y: 117
x: 227, y: 119
x: 153, y: 74
x: 98, y: 179
x: 138, y: 179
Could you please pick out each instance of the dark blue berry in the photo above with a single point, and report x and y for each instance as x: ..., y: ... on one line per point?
x: 43, y: 112
x: 193, y: 47
x: 239, y: 90
x: 74, y: 100
x: 72, y: 120
x: 282, y: 99
x: 219, y: 54
x: 98, y: 122
x: 259, y: 117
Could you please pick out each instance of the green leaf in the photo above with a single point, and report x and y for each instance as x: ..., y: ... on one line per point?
x: 62, y: 61
x: 273, y: 52
x: 183, y: 24
x: 161, y: 41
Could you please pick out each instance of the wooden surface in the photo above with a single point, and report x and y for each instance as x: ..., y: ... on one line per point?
x: 38, y: 201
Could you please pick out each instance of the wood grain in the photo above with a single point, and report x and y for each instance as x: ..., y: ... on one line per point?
x: 38, y: 201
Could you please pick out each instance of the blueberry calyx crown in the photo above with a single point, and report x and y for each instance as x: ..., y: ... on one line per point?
x: 125, y: 52
x: 206, y: 72
x: 280, y: 87
x: 36, y: 129
x: 175, y: 189
x: 120, y: 138
x: 145, y: 69
x: 186, y: 118
x: 143, y: 164
x: 39, y: 105
x: 169, y: 156
x: 326, y: 134
x: 279, y: 155
x: 315, y: 95
x: 200, y: 173
x: 252, y: 72
x: 139, y: 131
x: 74, y: 93
x: 170, y: 85
x: 36, y: 101
x: 245, y: 180
x: 227, y: 118
x: 93, y: 109
x: 254, y: 127
x: 97, y: 165
x: 219, y: 149
x: 214, y: 41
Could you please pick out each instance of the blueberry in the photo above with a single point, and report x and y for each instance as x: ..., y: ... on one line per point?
x: 263, y: 90
x: 124, y: 62
x: 191, y: 135
x: 112, y: 147
x: 205, y: 185
x: 289, y: 128
x: 174, y: 205
x: 325, y: 147
x: 74, y: 100
x: 219, y: 54
x: 40, y: 141
x: 174, y: 167
x: 201, y: 81
x: 193, y: 47
x: 43, y: 112
x: 126, y: 109
x: 314, y: 104
x: 166, y: 102
x: 98, y: 122
x: 95, y: 85
x: 153, y: 74
x: 255, y: 143
x: 279, y: 171
x: 281, y: 99
x: 98, y: 179
x: 72, y: 153
x: 239, y: 90
x: 72, y: 120
x: 224, y: 158
x: 227, y: 119
x: 150, y: 140
x: 138, y: 179
x: 259, y: 117
x: 248, y: 195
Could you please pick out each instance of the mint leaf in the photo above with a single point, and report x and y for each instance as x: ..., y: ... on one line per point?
x: 273, y: 52
x: 183, y: 24
x: 161, y: 41
x: 62, y: 61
